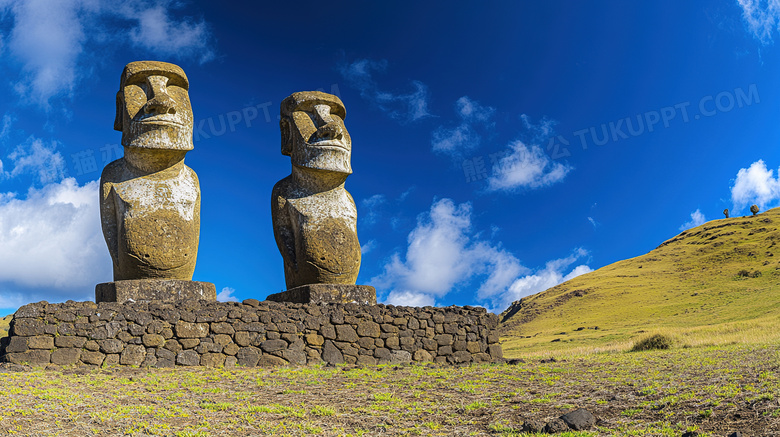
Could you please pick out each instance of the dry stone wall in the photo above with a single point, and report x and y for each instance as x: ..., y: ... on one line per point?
x: 252, y: 333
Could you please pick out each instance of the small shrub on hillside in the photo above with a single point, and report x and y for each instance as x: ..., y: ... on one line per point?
x: 746, y: 274
x: 655, y: 341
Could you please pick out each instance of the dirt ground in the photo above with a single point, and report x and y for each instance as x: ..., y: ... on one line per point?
x: 703, y: 391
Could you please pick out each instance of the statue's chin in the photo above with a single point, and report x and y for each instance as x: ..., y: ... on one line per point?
x: 326, y: 159
x: 158, y: 136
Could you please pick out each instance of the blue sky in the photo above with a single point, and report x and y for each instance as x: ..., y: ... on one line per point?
x: 499, y: 148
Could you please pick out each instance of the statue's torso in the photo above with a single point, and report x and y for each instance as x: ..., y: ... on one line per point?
x: 324, y: 228
x: 158, y: 224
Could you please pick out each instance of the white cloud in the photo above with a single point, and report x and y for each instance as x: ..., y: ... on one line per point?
x: 593, y: 222
x: 53, y: 240
x: 39, y: 160
x: 464, y: 136
x: 762, y: 18
x: 156, y: 31
x: 551, y: 275
x: 51, y: 39
x: 526, y: 167
x: 411, y: 106
x: 410, y: 299
x: 755, y: 184
x: 697, y: 219
x: 368, y: 247
x: 442, y: 253
x: 226, y: 295
x: 48, y: 38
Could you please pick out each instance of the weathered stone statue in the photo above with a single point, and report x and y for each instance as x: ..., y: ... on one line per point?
x: 150, y: 200
x: 314, y: 216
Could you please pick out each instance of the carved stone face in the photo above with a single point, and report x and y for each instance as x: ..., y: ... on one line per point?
x: 153, y: 107
x: 314, y: 134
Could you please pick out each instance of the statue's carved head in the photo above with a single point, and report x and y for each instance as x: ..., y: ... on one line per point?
x: 153, y: 108
x: 313, y: 132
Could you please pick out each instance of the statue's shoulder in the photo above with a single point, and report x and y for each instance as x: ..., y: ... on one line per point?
x: 282, y: 188
x: 112, y: 172
x: 191, y: 173
x: 281, y: 192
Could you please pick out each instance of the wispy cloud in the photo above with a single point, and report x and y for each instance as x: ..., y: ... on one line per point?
x: 410, y: 106
x: 464, y: 137
x: 593, y: 222
x: 537, y: 133
x: 697, y: 219
x: 36, y: 158
x: 52, y: 239
x: 526, y: 167
x: 554, y: 272
x: 762, y: 18
x: 49, y: 39
x: 226, y: 295
x: 368, y: 247
x: 6, y: 129
x: 156, y: 31
x: 370, y: 208
x: 755, y: 184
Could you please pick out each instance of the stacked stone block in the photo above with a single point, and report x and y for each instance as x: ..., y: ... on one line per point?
x: 252, y: 333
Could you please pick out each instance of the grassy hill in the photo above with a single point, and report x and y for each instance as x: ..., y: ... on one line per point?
x: 4, y: 322
x: 714, y: 284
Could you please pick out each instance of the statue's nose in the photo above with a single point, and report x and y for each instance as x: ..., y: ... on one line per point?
x: 162, y: 103
x: 330, y: 131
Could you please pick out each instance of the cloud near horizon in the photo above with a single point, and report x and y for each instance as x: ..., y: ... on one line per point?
x: 49, y: 39
x: 755, y: 184
x: 52, y: 240
x: 444, y: 253
x: 226, y: 295
x: 411, y: 106
x: 697, y: 219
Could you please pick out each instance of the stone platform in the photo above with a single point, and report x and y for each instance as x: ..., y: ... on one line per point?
x: 154, y: 290
x: 252, y: 333
x: 327, y: 293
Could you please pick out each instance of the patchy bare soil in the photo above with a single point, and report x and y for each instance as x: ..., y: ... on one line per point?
x: 712, y: 391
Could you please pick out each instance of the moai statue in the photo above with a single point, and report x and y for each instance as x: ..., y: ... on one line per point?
x: 726, y: 212
x: 314, y: 216
x: 150, y: 200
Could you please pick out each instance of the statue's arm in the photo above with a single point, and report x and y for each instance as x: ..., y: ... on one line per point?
x: 283, y: 232
x: 108, y: 218
x: 354, y: 208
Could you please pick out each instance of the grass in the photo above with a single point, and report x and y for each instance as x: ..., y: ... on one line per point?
x: 714, y: 284
x: 4, y: 325
x: 650, y: 393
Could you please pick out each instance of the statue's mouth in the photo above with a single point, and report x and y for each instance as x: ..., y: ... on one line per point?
x: 162, y: 120
x: 329, y: 144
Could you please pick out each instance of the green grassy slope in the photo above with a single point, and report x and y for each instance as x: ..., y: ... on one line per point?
x: 716, y: 283
x: 4, y: 322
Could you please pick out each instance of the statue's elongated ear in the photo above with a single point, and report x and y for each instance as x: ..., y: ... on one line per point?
x: 120, y: 109
x: 285, y: 127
